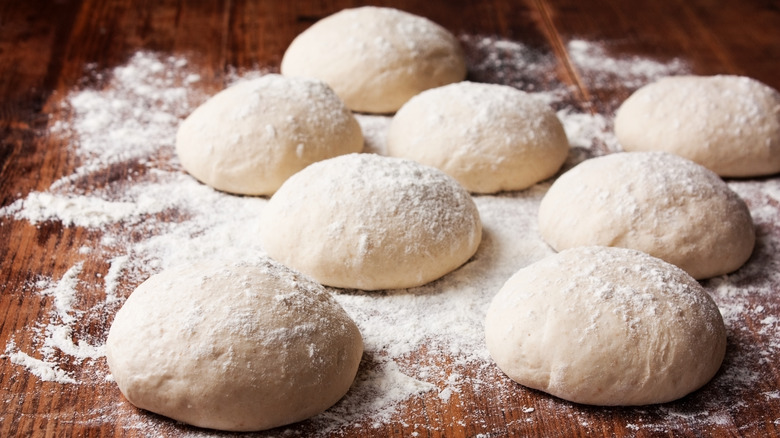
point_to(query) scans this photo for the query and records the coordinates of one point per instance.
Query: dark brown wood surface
(45, 46)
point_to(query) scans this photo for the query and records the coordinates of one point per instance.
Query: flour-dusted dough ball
(233, 346)
(729, 124)
(249, 138)
(376, 58)
(370, 222)
(655, 202)
(606, 326)
(488, 137)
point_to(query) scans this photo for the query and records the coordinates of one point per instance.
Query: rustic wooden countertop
(46, 47)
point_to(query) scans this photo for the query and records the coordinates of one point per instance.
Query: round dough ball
(606, 326)
(488, 137)
(233, 346)
(249, 138)
(376, 58)
(655, 202)
(729, 124)
(370, 222)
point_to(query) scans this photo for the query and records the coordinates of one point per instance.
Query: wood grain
(46, 46)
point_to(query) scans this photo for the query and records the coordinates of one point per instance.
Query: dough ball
(249, 138)
(606, 326)
(655, 202)
(376, 58)
(729, 124)
(233, 346)
(488, 137)
(370, 222)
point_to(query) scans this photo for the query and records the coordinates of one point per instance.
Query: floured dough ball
(233, 346)
(729, 124)
(249, 138)
(606, 326)
(488, 137)
(376, 58)
(655, 202)
(370, 222)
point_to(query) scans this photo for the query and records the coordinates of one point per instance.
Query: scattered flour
(60, 337)
(589, 131)
(85, 211)
(135, 114)
(512, 63)
(423, 345)
(113, 277)
(46, 371)
(602, 70)
(64, 293)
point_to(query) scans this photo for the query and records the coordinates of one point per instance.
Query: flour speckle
(44, 370)
(602, 70)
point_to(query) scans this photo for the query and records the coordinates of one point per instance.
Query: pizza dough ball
(249, 138)
(233, 346)
(370, 222)
(488, 137)
(655, 202)
(729, 124)
(376, 58)
(606, 326)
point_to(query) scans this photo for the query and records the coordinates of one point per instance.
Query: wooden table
(45, 47)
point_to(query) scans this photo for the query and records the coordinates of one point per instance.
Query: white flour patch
(374, 132)
(46, 371)
(81, 211)
(589, 131)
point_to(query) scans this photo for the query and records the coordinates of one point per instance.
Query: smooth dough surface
(655, 202)
(606, 326)
(488, 137)
(370, 222)
(376, 58)
(249, 138)
(729, 124)
(234, 346)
